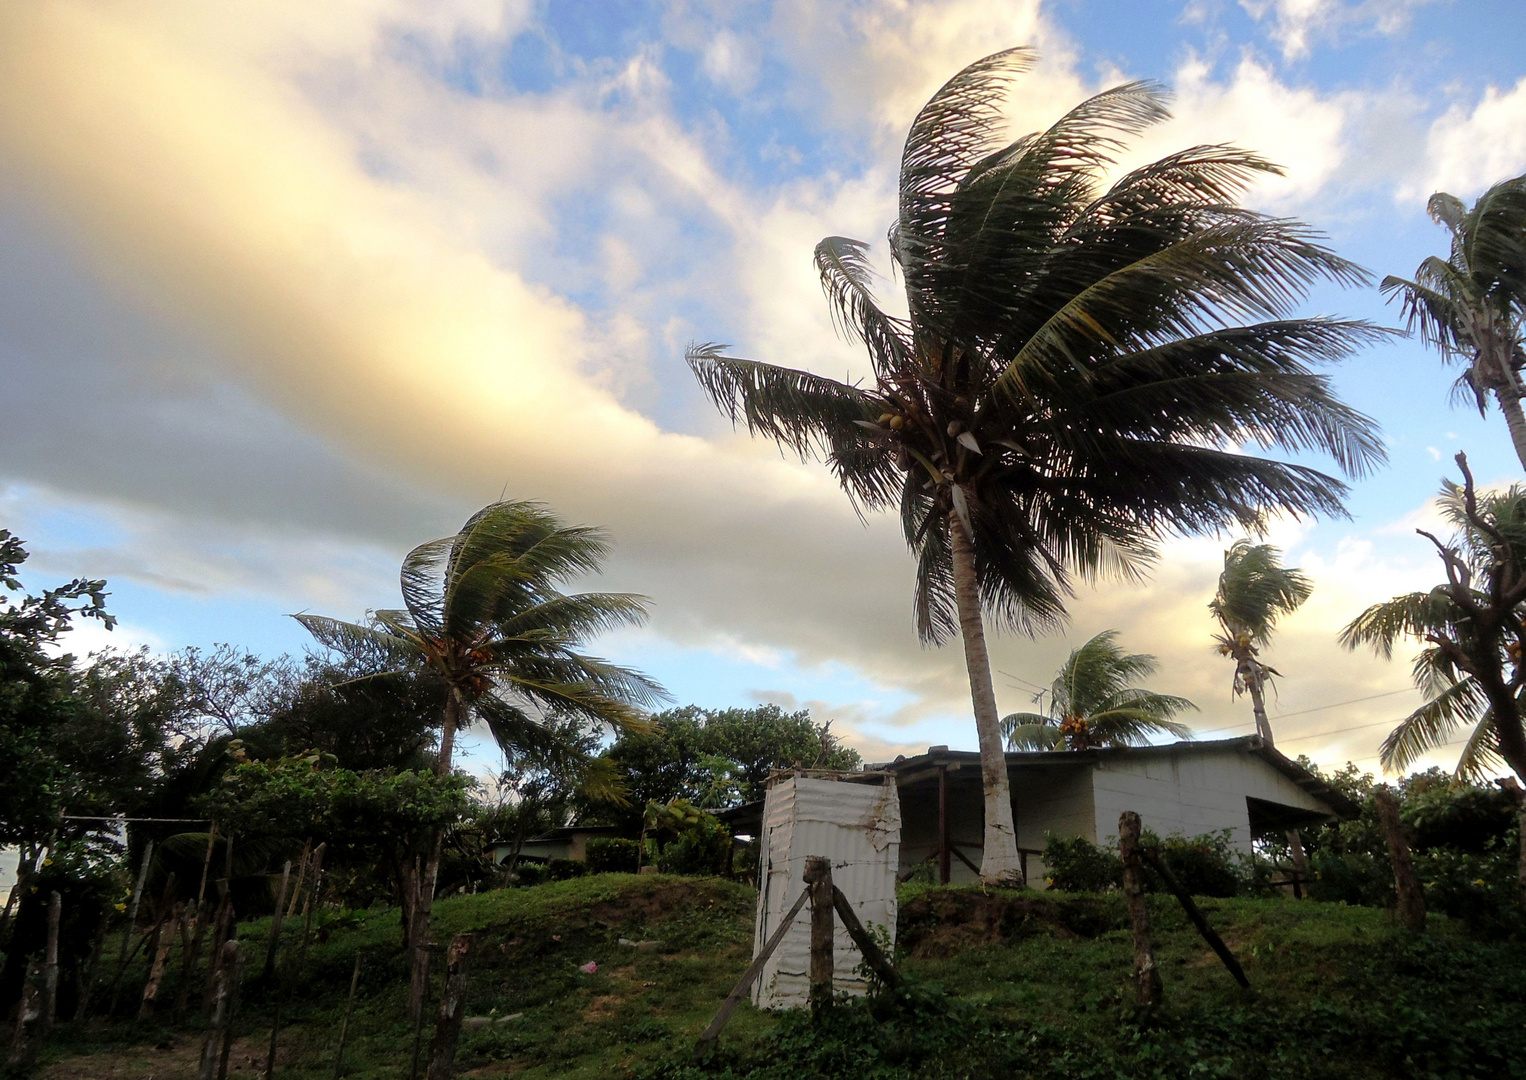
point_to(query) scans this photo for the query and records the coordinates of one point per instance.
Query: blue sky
(288, 288)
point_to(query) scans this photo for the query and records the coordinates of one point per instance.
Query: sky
(288, 288)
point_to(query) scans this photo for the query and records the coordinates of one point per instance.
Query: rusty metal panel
(858, 827)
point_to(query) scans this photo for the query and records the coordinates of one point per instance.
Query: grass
(1004, 985)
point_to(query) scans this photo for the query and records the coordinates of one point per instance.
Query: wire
(1315, 709)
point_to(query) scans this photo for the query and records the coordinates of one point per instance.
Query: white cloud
(1472, 147)
(1297, 25)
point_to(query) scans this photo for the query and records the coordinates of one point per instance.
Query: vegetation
(1093, 702)
(1074, 366)
(1002, 984)
(1471, 306)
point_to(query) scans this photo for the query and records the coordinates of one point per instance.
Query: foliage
(613, 855)
(1093, 702)
(1075, 864)
(564, 869)
(1206, 865)
(715, 758)
(691, 840)
(1472, 629)
(1255, 591)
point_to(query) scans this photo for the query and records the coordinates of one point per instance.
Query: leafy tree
(1255, 591)
(1470, 306)
(1093, 702)
(539, 791)
(1074, 368)
(485, 617)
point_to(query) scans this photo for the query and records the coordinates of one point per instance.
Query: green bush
(562, 869)
(1075, 864)
(697, 852)
(613, 855)
(530, 873)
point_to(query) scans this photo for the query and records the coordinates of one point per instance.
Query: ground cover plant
(1002, 984)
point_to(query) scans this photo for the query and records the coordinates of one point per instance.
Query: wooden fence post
(275, 925)
(222, 927)
(158, 962)
(224, 968)
(878, 962)
(28, 1017)
(349, 1009)
(1147, 984)
(818, 875)
(50, 966)
(1194, 913)
(447, 1030)
(1411, 907)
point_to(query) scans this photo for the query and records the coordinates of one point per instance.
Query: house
(566, 842)
(1189, 788)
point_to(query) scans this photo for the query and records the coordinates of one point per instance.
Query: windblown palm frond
(1094, 702)
(1256, 590)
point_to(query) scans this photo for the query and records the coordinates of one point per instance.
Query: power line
(1315, 709)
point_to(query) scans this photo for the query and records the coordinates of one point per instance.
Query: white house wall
(1190, 793)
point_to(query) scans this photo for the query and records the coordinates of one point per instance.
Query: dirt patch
(602, 1008)
(944, 921)
(177, 1059)
(648, 905)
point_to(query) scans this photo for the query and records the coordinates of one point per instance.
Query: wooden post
(221, 929)
(1300, 863)
(447, 1029)
(723, 1014)
(1411, 906)
(237, 983)
(275, 926)
(296, 892)
(878, 962)
(943, 846)
(349, 1009)
(159, 962)
(132, 922)
(28, 1013)
(50, 966)
(1194, 913)
(818, 875)
(310, 907)
(223, 968)
(1147, 984)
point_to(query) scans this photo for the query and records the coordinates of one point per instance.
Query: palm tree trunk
(1000, 864)
(1510, 405)
(1264, 729)
(418, 933)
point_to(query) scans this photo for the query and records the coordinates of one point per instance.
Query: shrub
(530, 873)
(562, 869)
(1075, 864)
(612, 855)
(697, 852)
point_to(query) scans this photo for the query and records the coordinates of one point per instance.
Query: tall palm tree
(1473, 629)
(1071, 373)
(484, 615)
(1255, 590)
(1094, 702)
(1471, 306)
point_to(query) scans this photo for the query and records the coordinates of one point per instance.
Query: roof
(567, 832)
(909, 770)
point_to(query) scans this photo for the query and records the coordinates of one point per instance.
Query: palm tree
(1471, 305)
(1094, 702)
(1255, 590)
(485, 616)
(1071, 371)
(1473, 628)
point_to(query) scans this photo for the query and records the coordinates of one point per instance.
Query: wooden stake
(723, 1014)
(447, 1029)
(222, 927)
(818, 875)
(275, 925)
(132, 922)
(237, 982)
(349, 1009)
(1147, 985)
(28, 1012)
(296, 892)
(1194, 913)
(160, 961)
(314, 892)
(50, 966)
(877, 960)
(1411, 906)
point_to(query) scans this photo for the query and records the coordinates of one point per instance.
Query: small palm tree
(1471, 306)
(1094, 702)
(1076, 362)
(1255, 590)
(485, 616)
(1472, 628)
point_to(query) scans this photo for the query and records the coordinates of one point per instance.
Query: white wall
(1190, 792)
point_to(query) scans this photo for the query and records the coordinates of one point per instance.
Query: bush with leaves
(1206, 865)
(613, 855)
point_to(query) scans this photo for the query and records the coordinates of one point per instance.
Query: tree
(1094, 702)
(1472, 629)
(1471, 305)
(1255, 590)
(1073, 372)
(485, 617)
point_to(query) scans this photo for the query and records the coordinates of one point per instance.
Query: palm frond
(1433, 724)
(847, 279)
(1256, 590)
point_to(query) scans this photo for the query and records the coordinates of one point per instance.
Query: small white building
(1186, 788)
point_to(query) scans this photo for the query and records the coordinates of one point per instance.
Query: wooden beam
(1215, 942)
(754, 969)
(873, 956)
(1147, 984)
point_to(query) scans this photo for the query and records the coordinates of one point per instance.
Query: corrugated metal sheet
(858, 827)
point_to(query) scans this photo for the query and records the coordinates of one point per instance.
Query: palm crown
(1074, 363)
(1470, 306)
(1255, 591)
(1470, 668)
(484, 612)
(1094, 702)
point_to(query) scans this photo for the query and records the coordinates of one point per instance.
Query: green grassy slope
(1003, 985)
